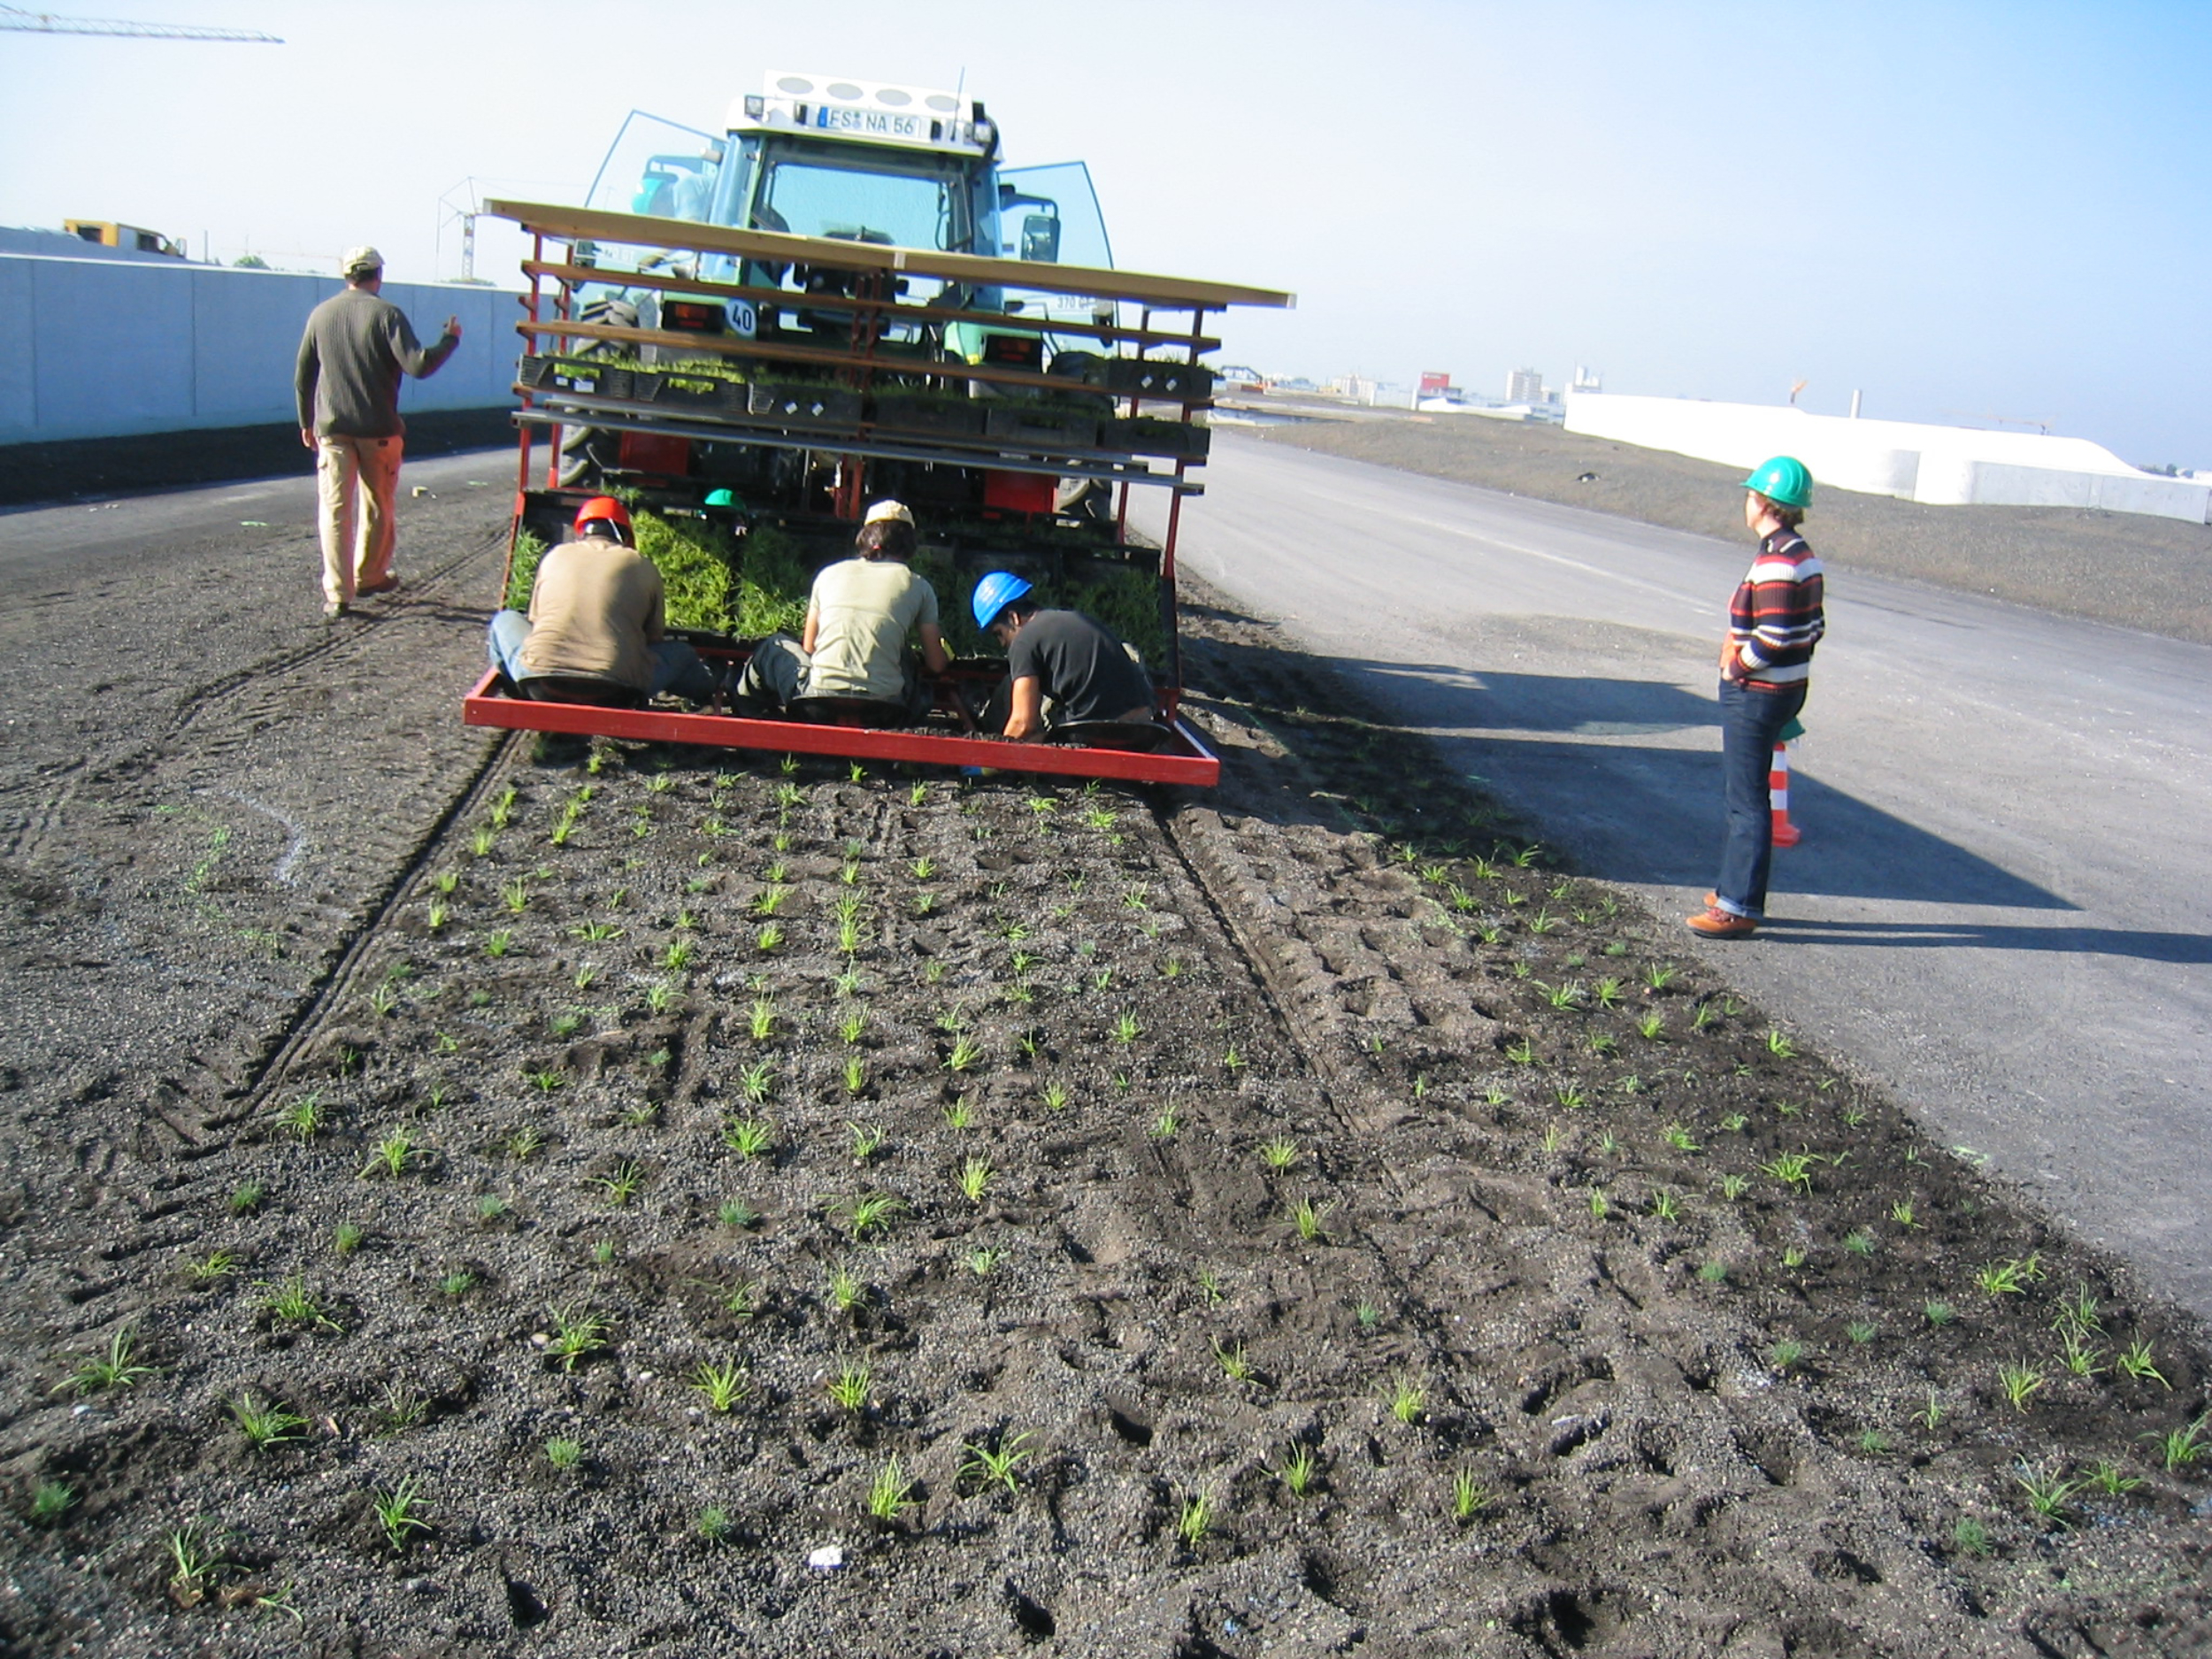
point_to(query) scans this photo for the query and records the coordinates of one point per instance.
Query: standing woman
(1774, 622)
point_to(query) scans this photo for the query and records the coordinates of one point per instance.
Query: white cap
(361, 261)
(886, 512)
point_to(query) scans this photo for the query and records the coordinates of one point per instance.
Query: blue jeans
(1750, 721)
(676, 666)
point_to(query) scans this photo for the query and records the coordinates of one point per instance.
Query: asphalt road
(2000, 905)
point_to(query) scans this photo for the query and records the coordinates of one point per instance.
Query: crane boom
(48, 23)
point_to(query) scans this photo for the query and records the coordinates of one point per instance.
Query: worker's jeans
(676, 666)
(1750, 721)
(359, 478)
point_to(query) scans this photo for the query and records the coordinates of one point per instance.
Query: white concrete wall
(101, 348)
(1945, 465)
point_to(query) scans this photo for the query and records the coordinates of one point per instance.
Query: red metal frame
(1185, 760)
(1188, 760)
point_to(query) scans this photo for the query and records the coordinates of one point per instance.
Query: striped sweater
(1775, 618)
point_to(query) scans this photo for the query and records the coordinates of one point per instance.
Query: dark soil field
(643, 1200)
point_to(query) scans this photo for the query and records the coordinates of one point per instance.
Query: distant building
(1586, 380)
(1524, 386)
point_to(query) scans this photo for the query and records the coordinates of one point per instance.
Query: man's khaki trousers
(359, 478)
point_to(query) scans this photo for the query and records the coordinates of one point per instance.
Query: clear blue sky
(1968, 211)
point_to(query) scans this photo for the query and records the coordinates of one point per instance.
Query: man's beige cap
(360, 261)
(884, 512)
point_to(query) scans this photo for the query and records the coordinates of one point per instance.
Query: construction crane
(46, 23)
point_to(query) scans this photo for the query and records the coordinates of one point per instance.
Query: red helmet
(605, 510)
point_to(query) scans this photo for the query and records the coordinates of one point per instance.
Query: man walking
(1774, 621)
(347, 385)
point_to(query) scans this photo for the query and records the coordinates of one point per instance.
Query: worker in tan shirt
(594, 630)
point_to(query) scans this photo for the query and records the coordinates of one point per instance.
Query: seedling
(1785, 1354)
(1408, 1401)
(118, 1367)
(346, 1238)
(741, 1299)
(293, 1303)
(2182, 1446)
(212, 1268)
(52, 1499)
(576, 1333)
(2079, 1358)
(266, 1424)
(1779, 1046)
(457, 1284)
(1713, 1273)
(1734, 1123)
(564, 1454)
(1469, 1496)
(1195, 1520)
(965, 1053)
(197, 1558)
(1232, 1061)
(388, 1158)
(400, 1513)
(2002, 1278)
(975, 1176)
(1165, 1126)
(1859, 1241)
(622, 1185)
(1299, 1467)
(2049, 1491)
(850, 1388)
(1598, 1206)
(722, 1385)
(1309, 1219)
(246, 1197)
(749, 1137)
(1125, 1029)
(855, 1076)
(714, 1525)
(1793, 1257)
(1733, 1187)
(763, 1019)
(770, 937)
(523, 1143)
(499, 943)
(864, 1213)
(983, 1259)
(1233, 1361)
(1208, 1284)
(867, 1141)
(959, 1114)
(1521, 1052)
(854, 1027)
(2137, 1362)
(755, 1081)
(2021, 1382)
(1792, 1169)
(892, 1491)
(1054, 1095)
(1970, 1537)
(1930, 1416)
(1665, 1205)
(1280, 1154)
(1680, 1138)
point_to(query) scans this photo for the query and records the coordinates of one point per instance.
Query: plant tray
(579, 375)
(929, 414)
(1055, 428)
(804, 406)
(1161, 378)
(1144, 435)
(702, 392)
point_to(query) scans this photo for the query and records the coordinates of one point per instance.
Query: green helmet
(1782, 480)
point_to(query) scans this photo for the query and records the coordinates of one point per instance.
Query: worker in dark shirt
(1063, 655)
(355, 347)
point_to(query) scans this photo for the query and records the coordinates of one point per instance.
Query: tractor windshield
(899, 198)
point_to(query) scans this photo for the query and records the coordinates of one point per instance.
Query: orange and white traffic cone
(1785, 833)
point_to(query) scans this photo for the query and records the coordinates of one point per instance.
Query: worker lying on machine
(594, 630)
(858, 617)
(1062, 668)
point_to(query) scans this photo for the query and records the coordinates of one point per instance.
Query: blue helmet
(993, 594)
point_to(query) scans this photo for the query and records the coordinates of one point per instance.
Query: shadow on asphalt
(2088, 941)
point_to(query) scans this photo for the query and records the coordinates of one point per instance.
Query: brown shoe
(1715, 923)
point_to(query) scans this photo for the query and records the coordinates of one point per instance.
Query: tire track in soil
(117, 1090)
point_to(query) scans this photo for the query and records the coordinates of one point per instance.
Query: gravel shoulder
(2134, 572)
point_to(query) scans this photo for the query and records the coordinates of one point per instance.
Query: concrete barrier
(94, 347)
(1940, 466)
